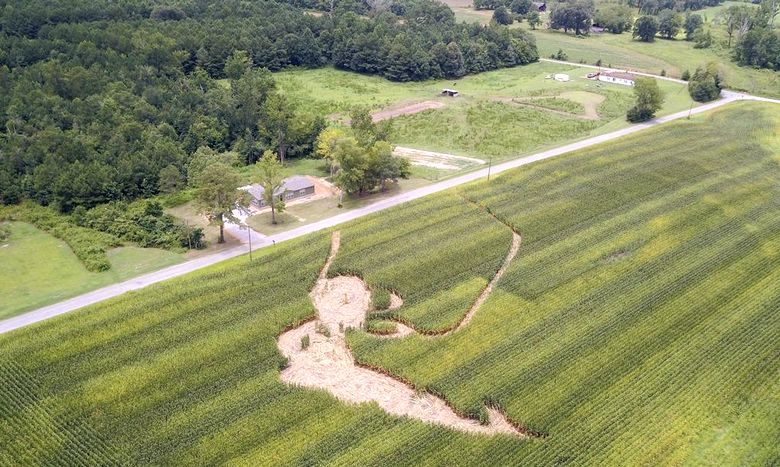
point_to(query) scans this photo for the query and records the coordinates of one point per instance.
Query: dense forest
(104, 101)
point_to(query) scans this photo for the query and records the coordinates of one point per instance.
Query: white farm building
(617, 77)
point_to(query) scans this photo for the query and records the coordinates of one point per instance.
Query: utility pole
(249, 231)
(490, 163)
(187, 227)
(690, 110)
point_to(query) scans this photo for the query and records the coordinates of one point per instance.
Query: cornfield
(638, 324)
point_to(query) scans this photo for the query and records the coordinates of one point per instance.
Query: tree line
(749, 31)
(104, 101)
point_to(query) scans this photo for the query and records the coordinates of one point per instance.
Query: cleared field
(637, 324)
(482, 122)
(621, 51)
(672, 56)
(37, 269)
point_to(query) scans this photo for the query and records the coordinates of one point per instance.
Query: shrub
(702, 38)
(638, 114)
(705, 84)
(323, 329)
(305, 341)
(142, 222)
(560, 55)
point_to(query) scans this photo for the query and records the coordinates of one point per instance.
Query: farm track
(187, 267)
(319, 358)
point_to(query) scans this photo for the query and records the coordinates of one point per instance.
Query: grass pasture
(480, 123)
(621, 51)
(36, 269)
(672, 56)
(637, 325)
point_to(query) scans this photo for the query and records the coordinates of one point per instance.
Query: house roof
(294, 183)
(620, 74)
(255, 190)
(297, 182)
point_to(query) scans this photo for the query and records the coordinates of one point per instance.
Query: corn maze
(638, 324)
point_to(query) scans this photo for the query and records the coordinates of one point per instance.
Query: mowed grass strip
(37, 269)
(637, 324)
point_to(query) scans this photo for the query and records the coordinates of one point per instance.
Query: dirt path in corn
(402, 330)
(319, 358)
(486, 293)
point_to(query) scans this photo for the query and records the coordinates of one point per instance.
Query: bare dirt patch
(436, 160)
(405, 109)
(458, 3)
(327, 362)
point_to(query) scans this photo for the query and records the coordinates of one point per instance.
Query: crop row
(638, 325)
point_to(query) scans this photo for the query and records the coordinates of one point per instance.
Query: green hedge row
(89, 245)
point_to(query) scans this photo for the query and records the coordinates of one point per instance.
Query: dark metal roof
(294, 183)
(297, 182)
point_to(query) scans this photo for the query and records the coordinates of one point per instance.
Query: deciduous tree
(217, 194)
(705, 83)
(237, 64)
(327, 142)
(520, 7)
(278, 118)
(272, 181)
(649, 99)
(645, 28)
(669, 23)
(170, 179)
(533, 19)
(501, 16)
(693, 22)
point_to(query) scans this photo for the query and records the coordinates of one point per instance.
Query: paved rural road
(264, 242)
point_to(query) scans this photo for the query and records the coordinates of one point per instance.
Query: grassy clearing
(559, 103)
(672, 56)
(636, 325)
(37, 269)
(328, 91)
(487, 129)
(478, 123)
(621, 51)
(187, 213)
